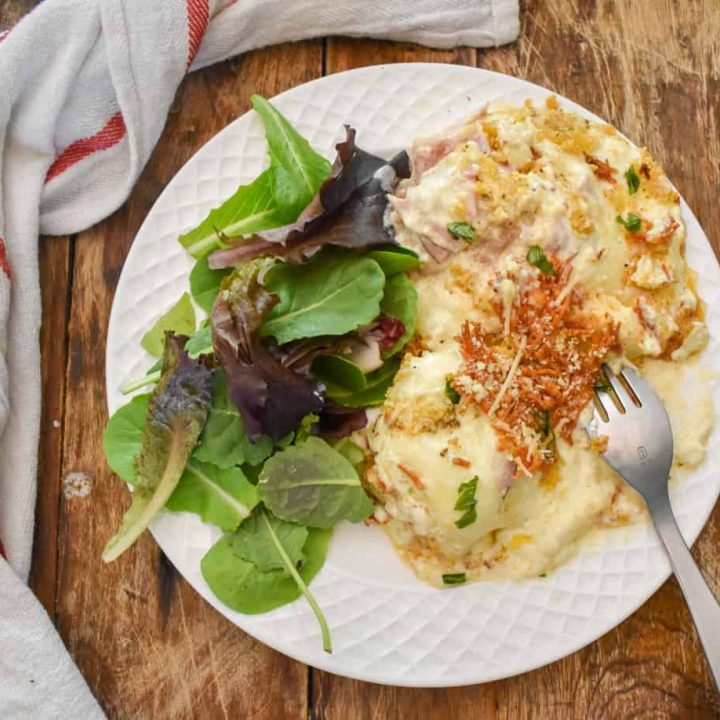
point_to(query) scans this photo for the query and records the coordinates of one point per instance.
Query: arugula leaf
(220, 497)
(331, 295)
(298, 171)
(180, 319)
(339, 371)
(250, 209)
(454, 578)
(462, 231)
(466, 502)
(200, 343)
(631, 222)
(377, 384)
(240, 585)
(177, 411)
(535, 256)
(400, 302)
(254, 543)
(313, 484)
(394, 260)
(122, 441)
(205, 283)
(633, 180)
(224, 442)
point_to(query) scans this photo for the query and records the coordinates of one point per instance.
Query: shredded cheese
(510, 376)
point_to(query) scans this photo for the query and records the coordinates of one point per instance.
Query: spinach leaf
(377, 384)
(205, 283)
(297, 170)
(250, 209)
(180, 319)
(177, 411)
(394, 260)
(331, 295)
(339, 371)
(313, 484)
(240, 585)
(254, 543)
(220, 497)
(400, 302)
(224, 442)
(122, 441)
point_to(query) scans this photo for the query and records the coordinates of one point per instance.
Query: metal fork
(640, 449)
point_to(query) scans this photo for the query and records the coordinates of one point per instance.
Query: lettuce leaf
(223, 441)
(312, 484)
(272, 398)
(180, 319)
(276, 197)
(176, 414)
(330, 295)
(222, 497)
(348, 210)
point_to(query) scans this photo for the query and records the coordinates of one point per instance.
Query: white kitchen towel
(85, 88)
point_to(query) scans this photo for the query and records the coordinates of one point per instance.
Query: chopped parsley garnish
(601, 387)
(545, 427)
(632, 222)
(450, 392)
(466, 502)
(462, 231)
(537, 257)
(633, 180)
(454, 578)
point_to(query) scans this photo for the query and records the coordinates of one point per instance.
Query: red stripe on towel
(110, 135)
(198, 15)
(5, 267)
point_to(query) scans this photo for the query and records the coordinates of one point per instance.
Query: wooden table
(148, 645)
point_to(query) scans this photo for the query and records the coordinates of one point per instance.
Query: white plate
(388, 627)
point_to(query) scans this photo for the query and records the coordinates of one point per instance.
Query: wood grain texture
(55, 261)
(147, 644)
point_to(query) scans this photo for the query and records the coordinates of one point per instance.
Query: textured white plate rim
(268, 633)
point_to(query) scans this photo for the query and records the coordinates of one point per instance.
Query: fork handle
(703, 605)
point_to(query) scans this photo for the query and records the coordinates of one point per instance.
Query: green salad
(298, 308)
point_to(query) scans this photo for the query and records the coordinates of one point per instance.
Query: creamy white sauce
(520, 186)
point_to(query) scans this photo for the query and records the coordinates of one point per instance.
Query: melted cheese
(521, 177)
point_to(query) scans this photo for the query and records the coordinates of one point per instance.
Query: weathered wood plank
(635, 64)
(185, 661)
(55, 256)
